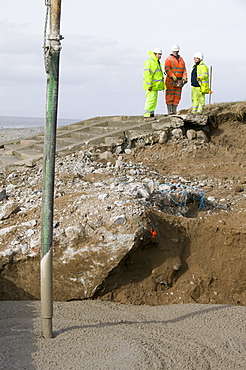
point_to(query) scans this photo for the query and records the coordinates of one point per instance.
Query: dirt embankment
(198, 259)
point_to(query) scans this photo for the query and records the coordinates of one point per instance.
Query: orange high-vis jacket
(174, 67)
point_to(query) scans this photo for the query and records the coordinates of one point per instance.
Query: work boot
(174, 109)
(149, 119)
(169, 109)
(152, 115)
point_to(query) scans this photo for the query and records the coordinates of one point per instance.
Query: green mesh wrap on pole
(49, 170)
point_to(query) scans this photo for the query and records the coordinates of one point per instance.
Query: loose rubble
(110, 210)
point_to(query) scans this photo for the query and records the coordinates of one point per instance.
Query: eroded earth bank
(156, 220)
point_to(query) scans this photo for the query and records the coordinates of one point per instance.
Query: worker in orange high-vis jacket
(176, 78)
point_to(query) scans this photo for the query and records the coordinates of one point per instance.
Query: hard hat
(175, 47)
(199, 55)
(157, 51)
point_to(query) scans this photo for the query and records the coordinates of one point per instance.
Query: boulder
(191, 134)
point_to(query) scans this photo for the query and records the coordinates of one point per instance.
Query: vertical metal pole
(46, 265)
(210, 84)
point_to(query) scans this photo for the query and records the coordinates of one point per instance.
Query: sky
(105, 45)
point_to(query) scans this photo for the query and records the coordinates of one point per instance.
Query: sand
(104, 335)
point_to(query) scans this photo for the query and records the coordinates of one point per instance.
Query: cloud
(105, 46)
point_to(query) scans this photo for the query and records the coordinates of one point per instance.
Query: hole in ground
(151, 268)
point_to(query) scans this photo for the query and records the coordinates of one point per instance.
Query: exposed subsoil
(198, 259)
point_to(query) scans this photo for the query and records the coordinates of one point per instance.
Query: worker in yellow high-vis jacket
(199, 83)
(153, 82)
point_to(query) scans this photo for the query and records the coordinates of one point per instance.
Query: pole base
(47, 328)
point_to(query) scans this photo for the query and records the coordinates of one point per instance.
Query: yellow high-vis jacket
(203, 75)
(153, 75)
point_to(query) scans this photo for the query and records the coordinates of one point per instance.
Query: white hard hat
(157, 51)
(199, 55)
(175, 47)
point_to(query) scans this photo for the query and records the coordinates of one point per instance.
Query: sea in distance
(25, 122)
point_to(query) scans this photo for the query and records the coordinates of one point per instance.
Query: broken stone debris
(97, 215)
(98, 211)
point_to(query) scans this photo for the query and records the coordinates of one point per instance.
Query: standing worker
(199, 83)
(176, 77)
(153, 82)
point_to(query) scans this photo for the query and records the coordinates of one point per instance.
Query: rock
(196, 292)
(75, 232)
(163, 137)
(142, 192)
(12, 175)
(140, 143)
(9, 188)
(120, 220)
(8, 210)
(177, 266)
(191, 134)
(202, 136)
(4, 231)
(177, 133)
(150, 186)
(30, 162)
(3, 194)
(106, 155)
(197, 119)
(119, 163)
(164, 187)
(103, 196)
(238, 188)
(80, 154)
(118, 149)
(176, 122)
(128, 151)
(30, 232)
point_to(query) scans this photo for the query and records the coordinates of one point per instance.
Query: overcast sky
(105, 45)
